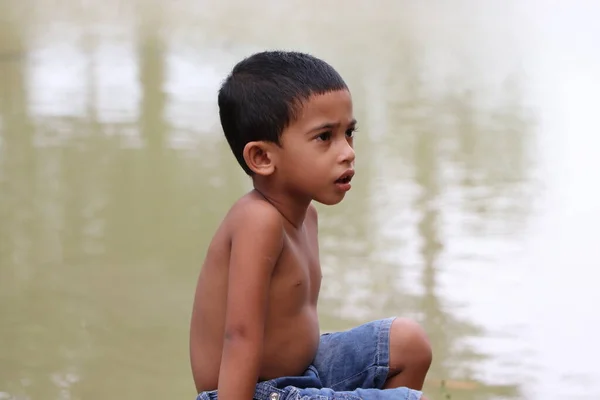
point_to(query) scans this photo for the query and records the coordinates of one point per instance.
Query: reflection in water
(114, 174)
(432, 162)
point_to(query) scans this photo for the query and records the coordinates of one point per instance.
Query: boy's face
(316, 156)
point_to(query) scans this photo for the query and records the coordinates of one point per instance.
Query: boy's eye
(324, 136)
(350, 132)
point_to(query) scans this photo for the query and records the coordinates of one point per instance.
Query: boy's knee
(409, 346)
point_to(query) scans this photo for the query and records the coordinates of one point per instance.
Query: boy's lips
(346, 177)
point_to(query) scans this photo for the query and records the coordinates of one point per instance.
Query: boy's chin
(330, 200)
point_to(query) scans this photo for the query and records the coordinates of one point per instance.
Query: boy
(255, 334)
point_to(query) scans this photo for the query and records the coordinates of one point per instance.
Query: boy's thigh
(359, 394)
(355, 358)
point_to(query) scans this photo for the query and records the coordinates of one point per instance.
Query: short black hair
(264, 92)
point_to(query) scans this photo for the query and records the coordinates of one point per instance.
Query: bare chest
(298, 274)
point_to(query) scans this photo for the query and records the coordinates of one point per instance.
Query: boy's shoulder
(255, 237)
(252, 214)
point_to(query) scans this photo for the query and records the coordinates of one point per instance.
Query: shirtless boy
(255, 333)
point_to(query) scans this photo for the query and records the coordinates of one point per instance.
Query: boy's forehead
(333, 106)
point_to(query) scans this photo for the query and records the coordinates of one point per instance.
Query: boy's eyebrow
(330, 125)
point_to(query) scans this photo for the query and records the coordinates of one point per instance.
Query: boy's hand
(257, 242)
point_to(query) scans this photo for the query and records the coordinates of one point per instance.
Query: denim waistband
(268, 391)
(283, 388)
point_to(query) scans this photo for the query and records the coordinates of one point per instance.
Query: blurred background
(473, 209)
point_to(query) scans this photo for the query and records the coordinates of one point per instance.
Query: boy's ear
(259, 157)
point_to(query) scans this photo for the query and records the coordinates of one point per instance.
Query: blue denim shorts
(349, 365)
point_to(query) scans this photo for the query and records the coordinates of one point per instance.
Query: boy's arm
(255, 248)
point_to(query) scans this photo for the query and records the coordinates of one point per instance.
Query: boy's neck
(290, 207)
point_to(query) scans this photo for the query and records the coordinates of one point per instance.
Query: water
(474, 208)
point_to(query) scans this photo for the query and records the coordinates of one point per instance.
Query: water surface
(474, 209)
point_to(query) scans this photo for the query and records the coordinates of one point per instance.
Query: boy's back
(288, 309)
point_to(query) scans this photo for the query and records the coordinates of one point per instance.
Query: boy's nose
(347, 155)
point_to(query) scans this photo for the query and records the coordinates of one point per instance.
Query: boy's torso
(292, 328)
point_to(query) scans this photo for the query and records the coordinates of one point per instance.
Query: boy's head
(271, 93)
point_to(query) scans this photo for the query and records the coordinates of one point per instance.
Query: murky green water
(475, 208)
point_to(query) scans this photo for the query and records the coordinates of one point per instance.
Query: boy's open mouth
(346, 177)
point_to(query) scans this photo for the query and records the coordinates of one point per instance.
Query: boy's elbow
(241, 333)
(240, 342)
(235, 332)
